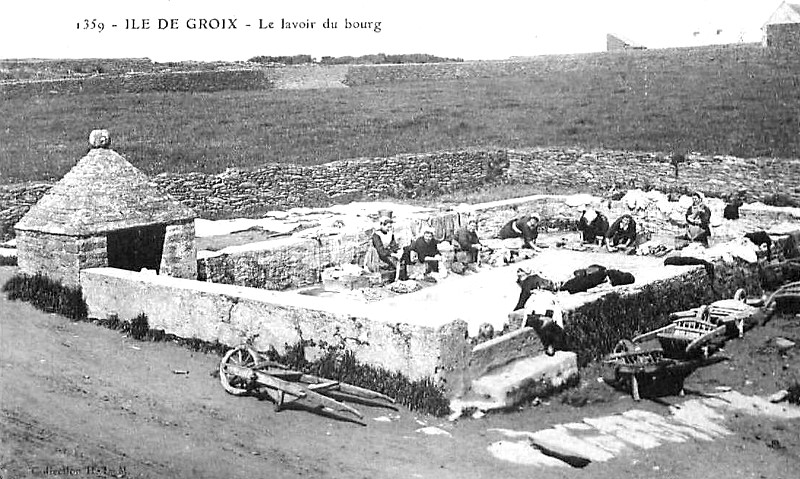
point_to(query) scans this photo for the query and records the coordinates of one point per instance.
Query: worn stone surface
(179, 255)
(54, 255)
(525, 378)
(498, 352)
(283, 263)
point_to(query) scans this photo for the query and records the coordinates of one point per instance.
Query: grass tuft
(47, 294)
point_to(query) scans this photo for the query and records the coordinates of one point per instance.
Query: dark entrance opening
(136, 248)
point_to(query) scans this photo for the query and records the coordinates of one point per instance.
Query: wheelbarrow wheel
(624, 346)
(740, 295)
(238, 356)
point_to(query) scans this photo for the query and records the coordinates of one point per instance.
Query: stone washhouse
(106, 213)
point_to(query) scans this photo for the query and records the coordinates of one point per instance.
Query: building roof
(102, 193)
(613, 37)
(785, 13)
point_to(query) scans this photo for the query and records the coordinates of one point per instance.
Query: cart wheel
(624, 346)
(741, 295)
(238, 356)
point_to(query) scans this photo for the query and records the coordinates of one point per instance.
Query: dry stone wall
(558, 170)
(192, 81)
(359, 75)
(336, 182)
(553, 170)
(275, 77)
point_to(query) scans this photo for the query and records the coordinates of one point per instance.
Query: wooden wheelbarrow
(731, 313)
(635, 366)
(788, 293)
(685, 338)
(242, 371)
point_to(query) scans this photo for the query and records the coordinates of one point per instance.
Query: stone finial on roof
(99, 139)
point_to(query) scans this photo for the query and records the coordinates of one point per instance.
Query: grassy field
(741, 100)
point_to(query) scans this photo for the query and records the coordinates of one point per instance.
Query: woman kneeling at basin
(622, 235)
(525, 227)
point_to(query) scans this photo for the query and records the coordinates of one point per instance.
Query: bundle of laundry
(585, 279)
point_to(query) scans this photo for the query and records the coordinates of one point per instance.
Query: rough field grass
(739, 100)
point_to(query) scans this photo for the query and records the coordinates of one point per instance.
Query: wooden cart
(789, 292)
(242, 371)
(731, 313)
(665, 356)
(685, 338)
(636, 367)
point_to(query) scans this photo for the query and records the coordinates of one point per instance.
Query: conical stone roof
(102, 193)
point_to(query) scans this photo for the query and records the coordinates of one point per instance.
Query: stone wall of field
(281, 185)
(242, 192)
(186, 81)
(554, 170)
(256, 77)
(15, 200)
(358, 75)
(558, 170)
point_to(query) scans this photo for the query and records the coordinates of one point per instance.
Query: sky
(171, 30)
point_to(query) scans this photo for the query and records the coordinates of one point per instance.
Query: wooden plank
(320, 387)
(348, 388)
(317, 399)
(266, 380)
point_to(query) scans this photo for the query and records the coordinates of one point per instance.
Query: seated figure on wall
(383, 252)
(466, 241)
(426, 250)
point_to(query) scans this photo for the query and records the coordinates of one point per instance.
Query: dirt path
(80, 400)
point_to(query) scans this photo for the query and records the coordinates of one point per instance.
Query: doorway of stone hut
(136, 248)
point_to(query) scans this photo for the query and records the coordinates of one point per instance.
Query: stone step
(520, 380)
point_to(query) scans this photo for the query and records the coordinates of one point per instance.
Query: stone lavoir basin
(427, 333)
(490, 294)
